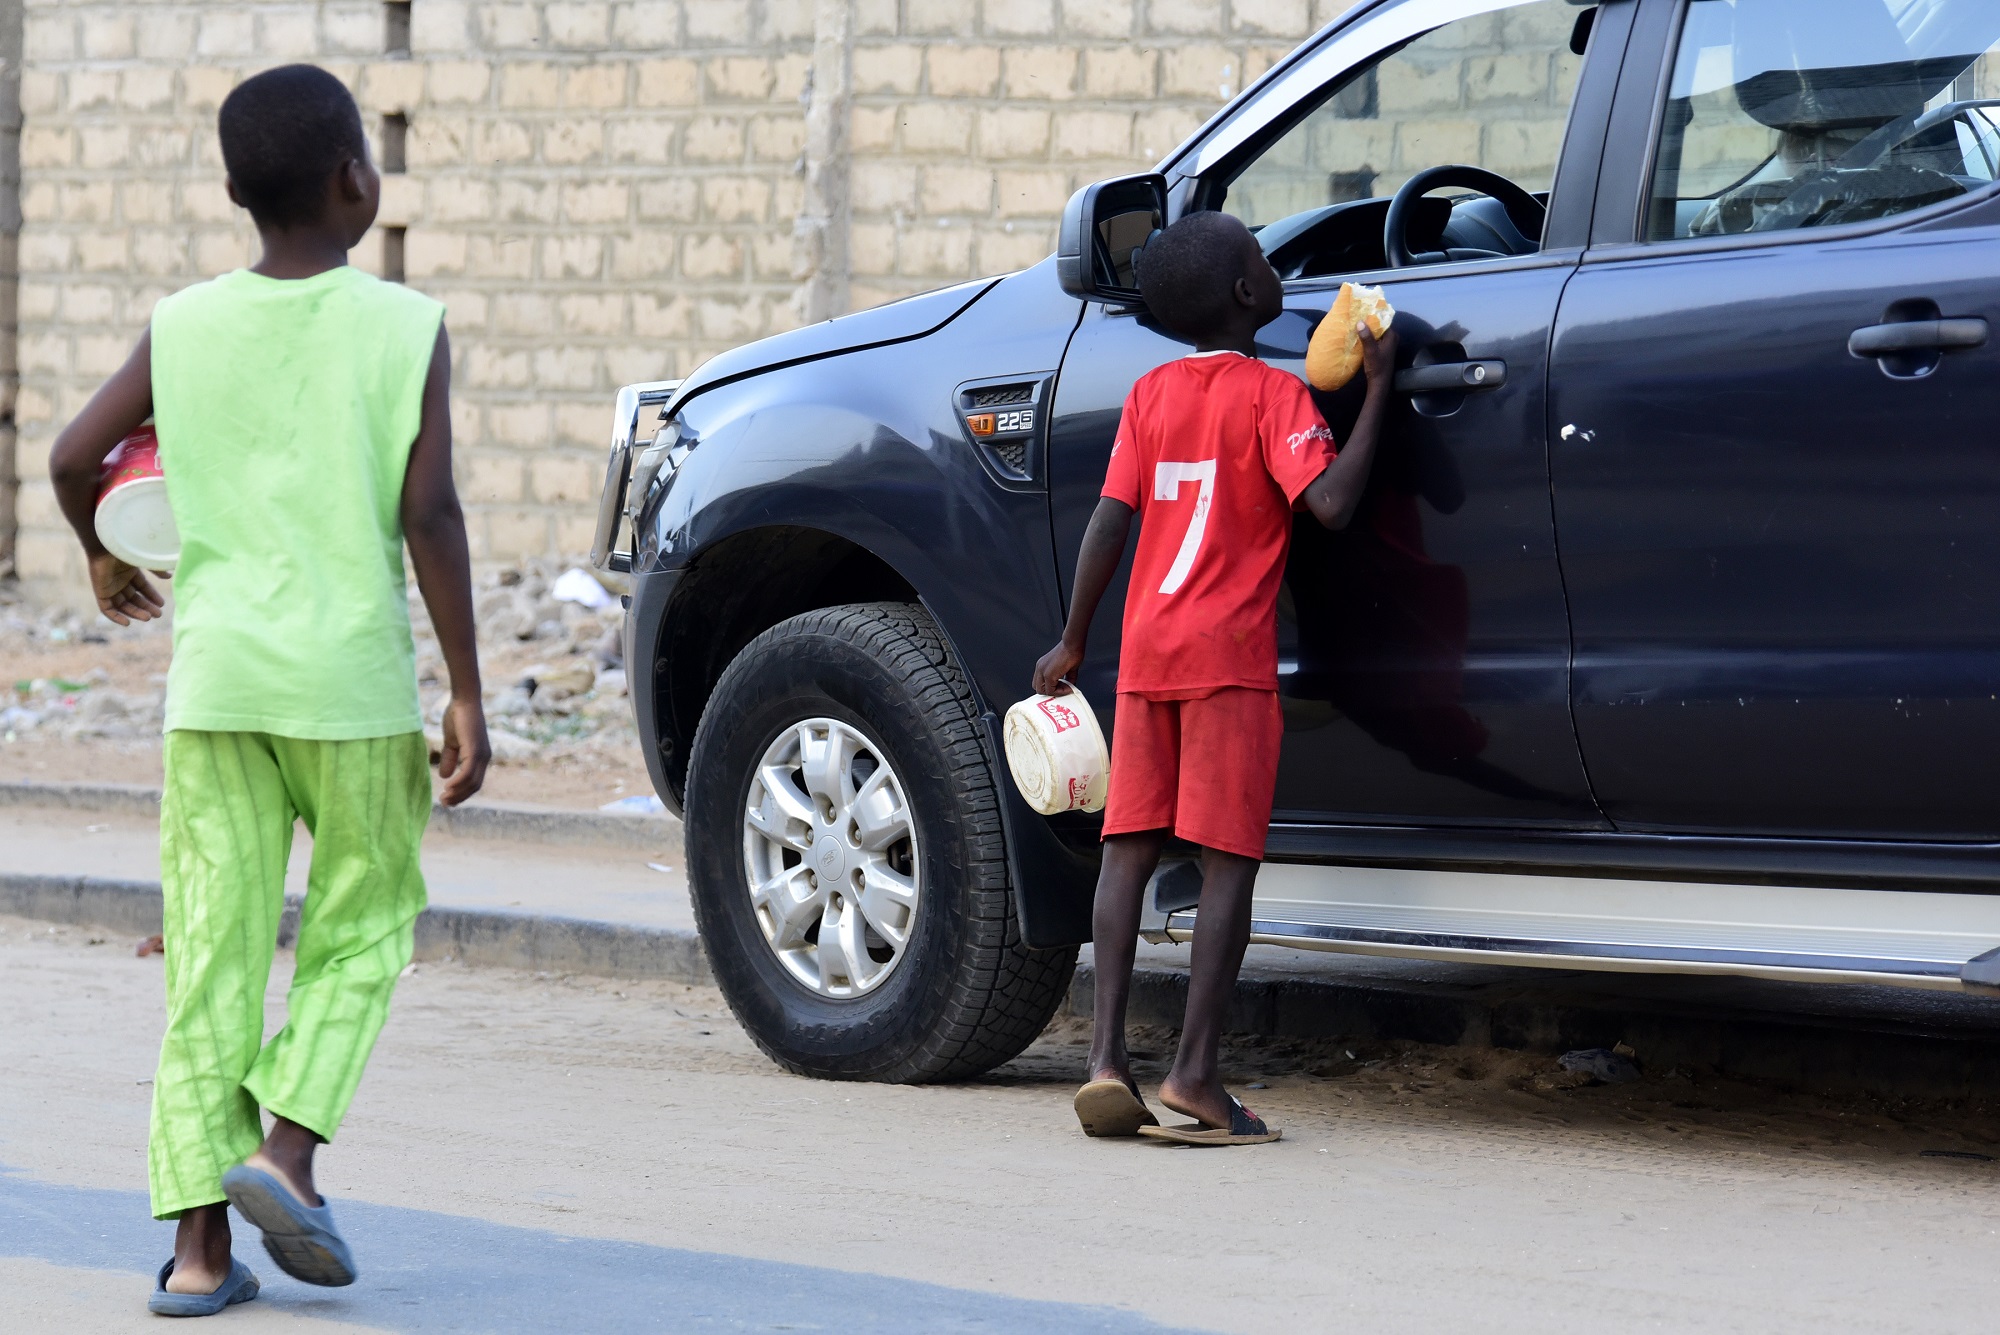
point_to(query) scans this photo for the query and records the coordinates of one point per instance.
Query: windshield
(1490, 89)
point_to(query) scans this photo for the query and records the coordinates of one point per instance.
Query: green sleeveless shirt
(285, 410)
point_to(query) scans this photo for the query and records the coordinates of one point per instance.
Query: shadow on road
(422, 1271)
(1314, 1085)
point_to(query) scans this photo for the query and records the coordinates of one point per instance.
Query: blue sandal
(301, 1238)
(1245, 1128)
(240, 1287)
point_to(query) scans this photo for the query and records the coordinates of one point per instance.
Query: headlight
(654, 465)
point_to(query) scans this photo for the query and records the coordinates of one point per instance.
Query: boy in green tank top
(303, 415)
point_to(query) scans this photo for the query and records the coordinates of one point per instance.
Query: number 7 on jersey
(1167, 479)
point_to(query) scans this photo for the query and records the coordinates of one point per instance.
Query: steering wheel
(1523, 210)
(1900, 131)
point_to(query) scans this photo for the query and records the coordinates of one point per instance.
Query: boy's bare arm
(434, 527)
(1103, 546)
(119, 406)
(1333, 495)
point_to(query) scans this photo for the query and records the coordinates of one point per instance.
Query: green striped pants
(225, 835)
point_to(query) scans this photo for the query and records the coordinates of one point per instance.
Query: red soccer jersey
(1212, 451)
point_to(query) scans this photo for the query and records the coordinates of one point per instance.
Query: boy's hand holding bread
(1336, 351)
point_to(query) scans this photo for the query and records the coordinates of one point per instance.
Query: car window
(1490, 91)
(1785, 114)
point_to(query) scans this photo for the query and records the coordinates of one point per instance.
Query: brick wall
(973, 122)
(600, 191)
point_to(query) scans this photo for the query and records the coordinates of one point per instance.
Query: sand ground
(132, 663)
(1416, 1188)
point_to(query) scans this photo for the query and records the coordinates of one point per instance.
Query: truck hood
(897, 322)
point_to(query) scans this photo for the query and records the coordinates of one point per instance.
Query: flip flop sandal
(1245, 1128)
(301, 1238)
(240, 1287)
(1109, 1108)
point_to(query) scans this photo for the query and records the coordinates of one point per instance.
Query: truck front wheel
(846, 858)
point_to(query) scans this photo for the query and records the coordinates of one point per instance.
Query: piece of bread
(1334, 355)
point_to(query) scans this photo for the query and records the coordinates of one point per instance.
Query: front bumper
(646, 678)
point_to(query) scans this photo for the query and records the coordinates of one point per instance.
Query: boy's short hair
(284, 132)
(1187, 273)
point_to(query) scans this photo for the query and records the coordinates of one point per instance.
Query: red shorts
(1205, 769)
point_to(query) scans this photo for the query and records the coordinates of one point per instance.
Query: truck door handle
(1449, 377)
(1886, 340)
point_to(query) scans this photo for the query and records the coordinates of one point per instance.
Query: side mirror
(1102, 226)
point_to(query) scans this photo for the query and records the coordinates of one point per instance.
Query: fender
(864, 451)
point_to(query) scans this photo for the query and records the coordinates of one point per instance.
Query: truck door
(1777, 487)
(1424, 650)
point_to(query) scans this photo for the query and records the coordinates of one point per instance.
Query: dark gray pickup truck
(1667, 638)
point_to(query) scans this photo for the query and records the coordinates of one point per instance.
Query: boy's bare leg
(1222, 930)
(1129, 860)
(201, 1250)
(287, 1154)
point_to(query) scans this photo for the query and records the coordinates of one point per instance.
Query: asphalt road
(533, 1153)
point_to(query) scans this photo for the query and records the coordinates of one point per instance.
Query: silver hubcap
(831, 850)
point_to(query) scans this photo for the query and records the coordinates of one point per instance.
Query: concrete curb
(470, 936)
(551, 825)
(84, 901)
(116, 799)
(1833, 1053)
(484, 820)
(562, 945)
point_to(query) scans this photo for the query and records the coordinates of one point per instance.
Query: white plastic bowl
(1057, 755)
(134, 521)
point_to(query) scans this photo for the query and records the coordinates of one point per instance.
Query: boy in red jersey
(1214, 451)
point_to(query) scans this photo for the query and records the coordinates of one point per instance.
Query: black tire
(967, 994)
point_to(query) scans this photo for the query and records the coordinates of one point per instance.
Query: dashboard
(1347, 237)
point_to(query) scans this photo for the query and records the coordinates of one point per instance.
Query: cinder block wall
(600, 192)
(973, 122)
(10, 231)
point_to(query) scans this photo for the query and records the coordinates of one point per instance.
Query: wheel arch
(850, 479)
(730, 593)
(688, 624)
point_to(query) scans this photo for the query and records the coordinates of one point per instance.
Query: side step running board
(1982, 972)
(1922, 939)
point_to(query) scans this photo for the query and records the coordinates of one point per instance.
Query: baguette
(1334, 355)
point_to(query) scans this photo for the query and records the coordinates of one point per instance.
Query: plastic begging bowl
(134, 521)
(1057, 754)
